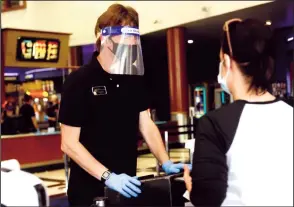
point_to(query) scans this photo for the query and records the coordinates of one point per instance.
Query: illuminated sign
(37, 49)
(11, 78)
(37, 93)
(29, 76)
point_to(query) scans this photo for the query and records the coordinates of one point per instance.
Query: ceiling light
(10, 74)
(190, 41)
(290, 39)
(40, 70)
(268, 22)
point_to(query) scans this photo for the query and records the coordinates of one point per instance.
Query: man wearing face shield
(102, 107)
(121, 51)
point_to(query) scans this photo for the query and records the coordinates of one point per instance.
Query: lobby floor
(146, 165)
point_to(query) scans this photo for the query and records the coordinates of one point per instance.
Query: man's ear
(227, 61)
(98, 35)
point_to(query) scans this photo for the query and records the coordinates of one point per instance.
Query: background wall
(283, 52)
(79, 17)
(202, 65)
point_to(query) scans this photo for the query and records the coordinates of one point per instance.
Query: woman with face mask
(244, 151)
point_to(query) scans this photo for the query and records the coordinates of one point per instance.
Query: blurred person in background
(103, 107)
(2, 114)
(244, 151)
(55, 102)
(50, 115)
(29, 122)
(11, 102)
(9, 123)
(52, 111)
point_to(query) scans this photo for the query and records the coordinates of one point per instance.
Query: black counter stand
(157, 191)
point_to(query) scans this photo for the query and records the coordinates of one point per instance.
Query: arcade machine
(221, 98)
(199, 108)
(200, 101)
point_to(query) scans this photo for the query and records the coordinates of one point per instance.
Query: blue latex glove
(170, 168)
(46, 118)
(124, 184)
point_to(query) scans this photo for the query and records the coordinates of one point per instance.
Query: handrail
(66, 169)
(166, 143)
(176, 127)
(179, 133)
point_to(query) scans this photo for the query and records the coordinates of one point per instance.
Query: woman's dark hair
(251, 49)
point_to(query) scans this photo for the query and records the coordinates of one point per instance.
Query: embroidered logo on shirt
(99, 90)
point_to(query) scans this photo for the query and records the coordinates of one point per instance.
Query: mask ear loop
(227, 74)
(113, 43)
(98, 42)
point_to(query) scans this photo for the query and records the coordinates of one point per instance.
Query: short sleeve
(72, 103)
(144, 97)
(209, 173)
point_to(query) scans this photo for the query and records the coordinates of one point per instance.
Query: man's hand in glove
(170, 168)
(124, 184)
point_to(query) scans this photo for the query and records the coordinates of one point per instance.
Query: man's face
(126, 40)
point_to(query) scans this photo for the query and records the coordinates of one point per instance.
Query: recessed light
(290, 39)
(268, 22)
(190, 41)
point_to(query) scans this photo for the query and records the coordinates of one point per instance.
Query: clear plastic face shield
(121, 50)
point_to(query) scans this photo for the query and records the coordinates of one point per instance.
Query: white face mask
(223, 81)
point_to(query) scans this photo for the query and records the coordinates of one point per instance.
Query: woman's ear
(227, 61)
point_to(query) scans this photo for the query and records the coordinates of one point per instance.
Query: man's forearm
(51, 118)
(83, 158)
(154, 140)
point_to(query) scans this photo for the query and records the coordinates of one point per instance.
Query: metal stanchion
(192, 114)
(153, 117)
(166, 141)
(167, 150)
(66, 169)
(157, 168)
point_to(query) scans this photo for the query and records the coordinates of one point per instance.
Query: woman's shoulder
(222, 123)
(227, 113)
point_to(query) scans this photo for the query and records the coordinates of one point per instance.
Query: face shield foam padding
(122, 46)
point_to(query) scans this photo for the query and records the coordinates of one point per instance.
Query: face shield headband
(121, 49)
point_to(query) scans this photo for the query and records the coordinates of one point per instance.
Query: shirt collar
(95, 65)
(94, 60)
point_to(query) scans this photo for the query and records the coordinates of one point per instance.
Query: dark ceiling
(203, 54)
(279, 12)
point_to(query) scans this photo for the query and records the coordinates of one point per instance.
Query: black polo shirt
(244, 156)
(107, 109)
(27, 112)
